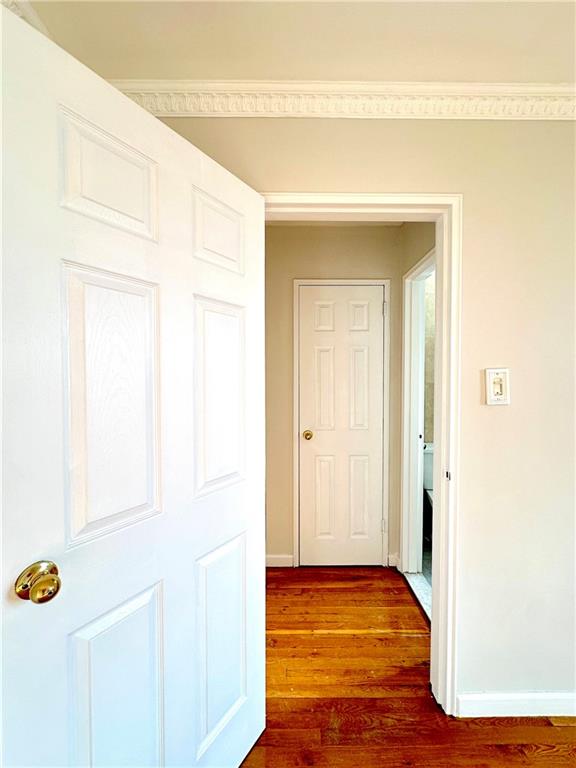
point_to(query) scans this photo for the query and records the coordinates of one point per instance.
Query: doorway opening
(445, 212)
(418, 354)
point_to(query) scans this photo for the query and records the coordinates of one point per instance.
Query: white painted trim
(447, 395)
(296, 425)
(386, 427)
(422, 591)
(394, 560)
(356, 206)
(279, 561)
(411, 500)
(446, 211)
(385, 283)
(353, 99)
(523, 704)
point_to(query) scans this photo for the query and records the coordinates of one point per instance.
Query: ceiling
(431, 41)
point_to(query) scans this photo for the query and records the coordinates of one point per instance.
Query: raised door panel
(106, 179)
(359, 315)
(219, 233)
(221, 639)
(111, 327)
(117, 685)
(220, 394)
(324, 388)
(359, 387)
(324, 316)
(359, 467)
(324, 497)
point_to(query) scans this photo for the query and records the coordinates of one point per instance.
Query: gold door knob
(39, 582)
(307, 434)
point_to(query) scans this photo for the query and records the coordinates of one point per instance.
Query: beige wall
(396, 41)
(516, 535)
(334, 252)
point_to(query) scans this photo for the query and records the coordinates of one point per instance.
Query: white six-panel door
(341, 396)
(134, 430)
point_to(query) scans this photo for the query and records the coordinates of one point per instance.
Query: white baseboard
(524, 704)
(279, 561)
(287, 561)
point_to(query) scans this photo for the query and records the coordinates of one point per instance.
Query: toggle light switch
(497, 386)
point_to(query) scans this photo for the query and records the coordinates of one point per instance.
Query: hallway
(347, 684)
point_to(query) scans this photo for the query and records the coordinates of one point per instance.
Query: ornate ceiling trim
(358, 100)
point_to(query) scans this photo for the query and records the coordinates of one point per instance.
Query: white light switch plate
(497, 386)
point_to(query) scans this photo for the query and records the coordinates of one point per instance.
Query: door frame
(412, 461)
(446, 211)
(385, 283)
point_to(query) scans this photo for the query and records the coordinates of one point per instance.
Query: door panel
(112, 350)
(324, 501)
(341, 401)
(359, 387)
(219, 233)
(126, 644)
(133, 361)
(220, 396)
(359, 473)
(324, 387)
(107, 179)
(221, 637)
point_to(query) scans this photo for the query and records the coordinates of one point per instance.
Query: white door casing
(133, 429)
(446, 211)
(341, 401)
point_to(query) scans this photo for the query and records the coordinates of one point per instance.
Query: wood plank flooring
(347, 676)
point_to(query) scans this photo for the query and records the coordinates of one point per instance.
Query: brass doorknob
(39, 582)
(307, 434)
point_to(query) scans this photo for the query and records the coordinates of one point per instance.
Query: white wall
(516, 533)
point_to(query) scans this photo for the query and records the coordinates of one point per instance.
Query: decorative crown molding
(364, 100)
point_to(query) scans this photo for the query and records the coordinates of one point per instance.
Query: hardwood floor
(347, 675)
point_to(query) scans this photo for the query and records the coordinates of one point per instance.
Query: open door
(133, 431)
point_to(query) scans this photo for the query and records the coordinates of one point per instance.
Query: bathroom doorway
(418, 427)
(428, 448)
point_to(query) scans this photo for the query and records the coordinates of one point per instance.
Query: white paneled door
(133, 431)
(341, 396)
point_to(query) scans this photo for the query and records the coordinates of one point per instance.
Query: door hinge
(383, 525)
(385, 308)
(448, 475)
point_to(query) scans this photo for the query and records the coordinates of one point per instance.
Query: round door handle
(307, 434)
(39, 582)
